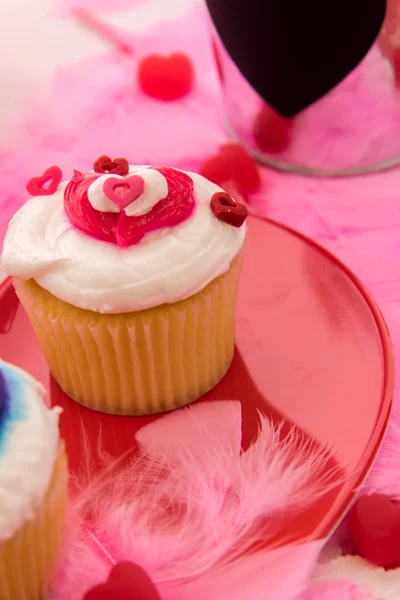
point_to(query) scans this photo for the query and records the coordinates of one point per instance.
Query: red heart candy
(375, 529)
(118, 166)
(272, 132)
(233, 163)
(123, 191)
(122, 229)
(35, 186)
(226, 209)
(127, 581)
(166, 78)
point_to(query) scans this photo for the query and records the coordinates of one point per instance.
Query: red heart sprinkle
(166, 78)
(118, 166)
(123, 191)
(272, 132)
(36, 185)
(127, 581)
(233, 163)
(226, 209)
(375, 529)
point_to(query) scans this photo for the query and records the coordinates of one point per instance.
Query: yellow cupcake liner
(28, 559)
(140, 362)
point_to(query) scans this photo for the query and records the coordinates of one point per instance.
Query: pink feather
(198, 513)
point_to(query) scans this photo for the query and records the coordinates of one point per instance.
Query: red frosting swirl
(120, 228)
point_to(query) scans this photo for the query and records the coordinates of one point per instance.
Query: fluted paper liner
(29, 558)
(140, 362)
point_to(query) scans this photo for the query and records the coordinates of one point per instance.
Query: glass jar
(354, 129)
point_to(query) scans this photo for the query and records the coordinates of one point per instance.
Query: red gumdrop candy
(272, 132)
(127, 581)
(166, 78)
(233, 164)
(375, 528)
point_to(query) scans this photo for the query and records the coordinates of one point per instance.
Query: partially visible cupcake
(33, 486)
(129, 276)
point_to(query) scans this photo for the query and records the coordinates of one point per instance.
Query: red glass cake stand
(312, 351)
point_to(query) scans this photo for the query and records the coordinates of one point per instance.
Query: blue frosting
(13, 386)
(4, 398)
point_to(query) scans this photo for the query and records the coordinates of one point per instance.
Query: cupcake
(33, 485)
(129, 276)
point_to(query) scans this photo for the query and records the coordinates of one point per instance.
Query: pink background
(93, 106)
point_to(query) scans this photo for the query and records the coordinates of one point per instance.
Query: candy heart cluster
(117, 226)
(121, 205)
(118, 166)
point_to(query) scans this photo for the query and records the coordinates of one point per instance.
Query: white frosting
(381, 584)
(166, 266)
(29, 437)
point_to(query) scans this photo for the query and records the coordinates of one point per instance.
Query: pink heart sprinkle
(123, 191)
(47, 184)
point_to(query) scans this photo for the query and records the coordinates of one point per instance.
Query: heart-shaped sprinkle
(375, 529)
(166, 78)
(226, 209)
(118, 166)
(127, 581)
(37, 186)
(123, 191)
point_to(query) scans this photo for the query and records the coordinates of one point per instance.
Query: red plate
(312, 350)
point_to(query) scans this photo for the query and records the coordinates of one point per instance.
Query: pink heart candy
(36, 185)
(123, 191)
